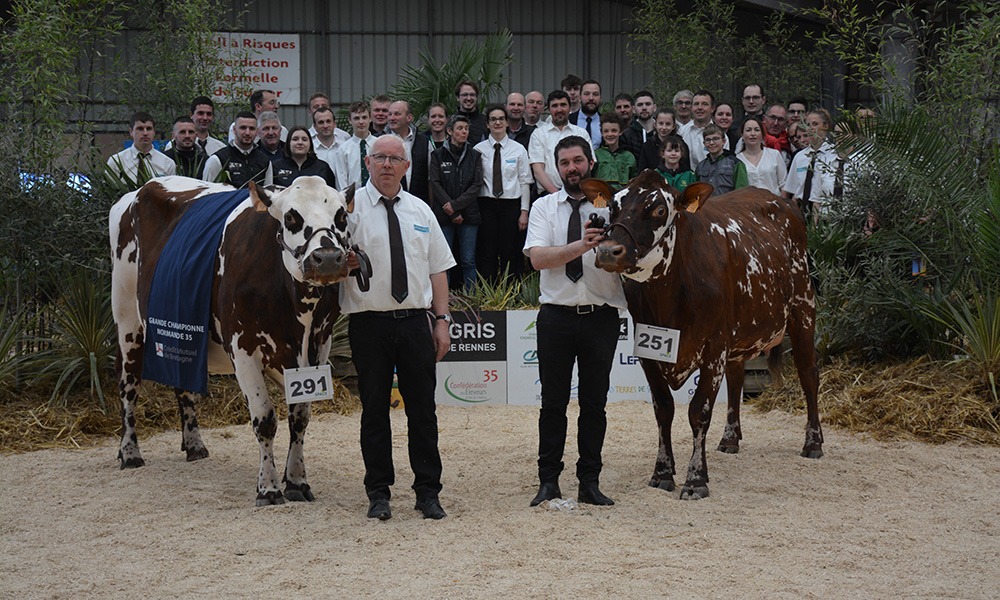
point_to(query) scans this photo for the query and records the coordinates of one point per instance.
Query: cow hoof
(696, 492)
(194, 454)
(298, 493)
(133, 463)
(662, 484)
(270, 498)
(817, 453)
(729, 448)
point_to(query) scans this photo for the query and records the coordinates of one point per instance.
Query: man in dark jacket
(456, 177)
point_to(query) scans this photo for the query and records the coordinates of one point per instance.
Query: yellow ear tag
(600, 201)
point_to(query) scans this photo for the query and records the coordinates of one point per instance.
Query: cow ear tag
(597, 191)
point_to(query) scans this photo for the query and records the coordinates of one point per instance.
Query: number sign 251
(657, 343)
(307, 384)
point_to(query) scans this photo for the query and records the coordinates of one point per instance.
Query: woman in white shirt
(765, 166)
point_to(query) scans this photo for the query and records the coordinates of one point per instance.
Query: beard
(572, 181)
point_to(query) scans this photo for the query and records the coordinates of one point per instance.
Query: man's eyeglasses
(497, 119)
(712, 140)
(468, 95)
(775, 117)
(381, 158)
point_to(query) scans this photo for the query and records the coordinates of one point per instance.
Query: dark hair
(246, 114)
(323, 110)
(199, 100)
(465, 82)
(593, 81)
(799, 100)
(574, 141)
(141, 116)
(757, 120)
(556, 95)
(493, 107)
(319, 95)
(612, 117)
(258, 98)
(675, 141)
(184, 119)
(288, 145)
(705, 93)
(570, 81)
(641, 93)
(624, 96)
(456, 118)
(440, 105)
(380, 98)
(665, 111)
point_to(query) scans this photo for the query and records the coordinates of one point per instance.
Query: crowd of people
(481, 171)
(473, 196)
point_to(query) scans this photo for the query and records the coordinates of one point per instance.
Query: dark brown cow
(730, 273)
(273, 305)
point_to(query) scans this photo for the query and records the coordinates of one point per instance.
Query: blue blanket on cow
(177, 316)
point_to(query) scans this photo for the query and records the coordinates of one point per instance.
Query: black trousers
(499, 245)
(589, 340)
(380, 344)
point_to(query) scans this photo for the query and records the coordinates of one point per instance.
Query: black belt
(581, 309)
(403, 313)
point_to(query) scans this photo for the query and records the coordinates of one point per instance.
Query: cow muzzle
(325, 266)
(612, 256)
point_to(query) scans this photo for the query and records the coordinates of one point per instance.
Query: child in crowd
(673, 151)
(720, 168)
(615, 164)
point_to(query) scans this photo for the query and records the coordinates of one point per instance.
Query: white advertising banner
(254, 61)
(475, 369)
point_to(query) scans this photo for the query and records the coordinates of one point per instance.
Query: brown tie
(364, 167)
(143, 173)
(396, 257)
(574, 268)
(497, 171)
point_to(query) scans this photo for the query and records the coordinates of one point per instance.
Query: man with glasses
(776, 131)
(467, 93)
(400, 324)
(682, 110)
(753, 100)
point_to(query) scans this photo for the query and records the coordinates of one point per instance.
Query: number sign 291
(307, 384)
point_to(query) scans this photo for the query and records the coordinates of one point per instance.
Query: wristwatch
(445, 317)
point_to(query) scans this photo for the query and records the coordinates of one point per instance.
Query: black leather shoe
(546, 491)
(431, 508)
(591, 494)
(379, 509)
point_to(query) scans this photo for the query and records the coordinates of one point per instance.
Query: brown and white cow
(730, 273)
(273, 305)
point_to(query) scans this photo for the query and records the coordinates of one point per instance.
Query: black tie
(497, 171)
(396, 256)
(807, 187)
(143, 173)
(589, 119)
(364, 167)
(204, 144)
(574, 268)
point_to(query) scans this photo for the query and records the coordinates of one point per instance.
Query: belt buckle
(401, 313)
(584, 309)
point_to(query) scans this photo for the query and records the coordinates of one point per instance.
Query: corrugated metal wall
(355, 49)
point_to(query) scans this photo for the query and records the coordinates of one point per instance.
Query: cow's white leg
(191, 441)
(128, 365)
(125, 309)
(264, 422)
(296, 486)
(700, 417)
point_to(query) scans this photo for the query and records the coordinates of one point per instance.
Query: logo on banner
(622, 329)
(531, 357)
(159, 349)
(473, 392)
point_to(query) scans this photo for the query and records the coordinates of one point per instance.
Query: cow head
(644, 216)
(312, 229)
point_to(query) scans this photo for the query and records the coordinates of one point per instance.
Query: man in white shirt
(577, 323)
(140, 162)
(682, 110)
(702, 107)
(203, 115)
(317, 101)
(401, 124)
(350, 156)
(541, 148)
(503, 208)
(392, 329)
(534, 105)
(325, 144)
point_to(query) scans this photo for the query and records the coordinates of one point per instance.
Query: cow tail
(775, 358)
